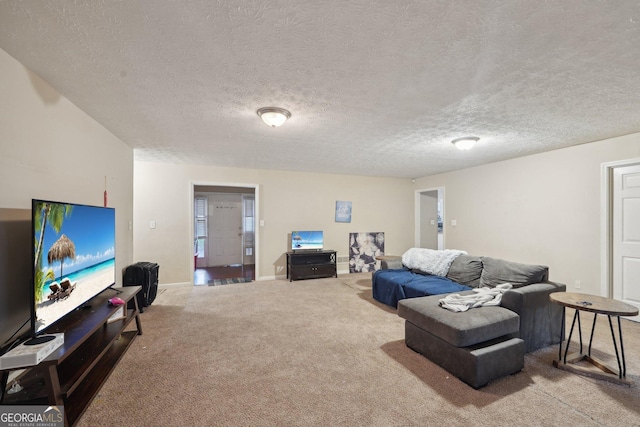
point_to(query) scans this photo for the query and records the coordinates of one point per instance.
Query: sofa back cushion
(496, 271)
(466, 270)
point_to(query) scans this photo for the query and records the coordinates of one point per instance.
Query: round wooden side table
(596, 305)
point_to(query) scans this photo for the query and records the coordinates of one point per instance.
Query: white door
(429, 219)
(225, 229)
(626, 235)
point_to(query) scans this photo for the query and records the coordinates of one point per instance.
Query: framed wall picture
(343, 211)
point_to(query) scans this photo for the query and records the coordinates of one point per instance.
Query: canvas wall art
(363, 250)
(343, 211)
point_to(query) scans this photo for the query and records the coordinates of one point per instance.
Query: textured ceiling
(375, 87)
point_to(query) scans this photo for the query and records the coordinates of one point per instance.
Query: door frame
(441, 194)
(256, 192)
(606, 223)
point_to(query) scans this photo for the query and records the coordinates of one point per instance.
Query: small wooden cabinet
(311, 265)
(74, 373)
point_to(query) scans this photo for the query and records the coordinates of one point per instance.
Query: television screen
(301, 240)
(73, 257)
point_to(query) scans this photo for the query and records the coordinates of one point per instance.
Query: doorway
(224, 233)
(621, 229)
(429, 208)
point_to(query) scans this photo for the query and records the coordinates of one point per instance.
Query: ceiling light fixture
(465, 143)
(273, 116)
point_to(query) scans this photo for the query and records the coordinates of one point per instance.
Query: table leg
(136, 309)
(52, 384)
(624, 365)
(566, 350)
(579, 330)
(615, 346)
(561, 333)
(593, 328)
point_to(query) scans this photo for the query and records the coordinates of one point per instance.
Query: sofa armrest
(540, 319)
(391, 263)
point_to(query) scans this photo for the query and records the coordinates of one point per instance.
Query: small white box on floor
(30, 355)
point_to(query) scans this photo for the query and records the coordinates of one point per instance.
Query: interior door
(626, 235)
(225, 229)
(429, 219)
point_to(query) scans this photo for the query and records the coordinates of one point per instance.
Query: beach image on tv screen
(306, 240)
(74, 257)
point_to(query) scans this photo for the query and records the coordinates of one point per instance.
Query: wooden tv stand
(311, 264)
(74, 373)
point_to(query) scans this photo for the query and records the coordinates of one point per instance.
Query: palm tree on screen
(51, 214)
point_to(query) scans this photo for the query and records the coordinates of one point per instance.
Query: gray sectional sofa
(484, 343)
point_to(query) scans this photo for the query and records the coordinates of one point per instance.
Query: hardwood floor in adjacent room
(202, 276)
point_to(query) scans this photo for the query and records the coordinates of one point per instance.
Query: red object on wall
(105, 198)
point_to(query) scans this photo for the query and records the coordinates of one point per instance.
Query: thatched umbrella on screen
(62, 249)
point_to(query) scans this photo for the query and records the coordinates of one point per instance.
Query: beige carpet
(323, 353)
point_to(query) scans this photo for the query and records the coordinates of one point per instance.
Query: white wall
(287, 201)
(544, 208)
(50, 149)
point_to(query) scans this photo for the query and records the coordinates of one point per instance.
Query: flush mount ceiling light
(273, 116)
(465, 143)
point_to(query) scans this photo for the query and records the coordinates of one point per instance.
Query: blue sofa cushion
(391, 286)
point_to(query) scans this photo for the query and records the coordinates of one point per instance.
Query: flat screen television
(307, 240)
(73, 258)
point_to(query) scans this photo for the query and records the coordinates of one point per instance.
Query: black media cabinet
(74, 373)
(311, 264)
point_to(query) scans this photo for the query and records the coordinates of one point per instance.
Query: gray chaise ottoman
(475, 346)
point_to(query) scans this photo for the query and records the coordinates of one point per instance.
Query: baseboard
(175, 284)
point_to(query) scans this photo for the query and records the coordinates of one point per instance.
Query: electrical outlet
(578, 284)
